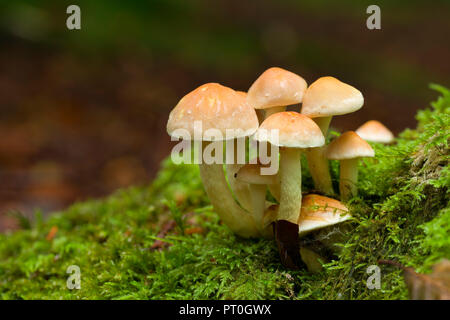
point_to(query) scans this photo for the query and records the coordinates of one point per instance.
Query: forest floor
(84, 113)
(164, 241)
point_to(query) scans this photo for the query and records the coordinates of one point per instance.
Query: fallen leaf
(127, 233)
(286, 238)
(158, 244)
(433, 286)
(52, 233)
(193, 230)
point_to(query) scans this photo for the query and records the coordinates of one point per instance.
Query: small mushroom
(275, 89)
(349, 148)
(312, 260)
(251, 174)
(375, 131)
(316, 215)
(319, 212)
(325, 98)
(221, 108)
(272, 92)
(295, 132)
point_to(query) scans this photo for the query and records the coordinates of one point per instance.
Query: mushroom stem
(312, 260)
(216, 187)
(270, 111)
(318, 163)
(290, 184)
(258, 196)
(323, 123)
(319, 169)
(286, 227)
(275, 190)
(240, 189)
(348, 178)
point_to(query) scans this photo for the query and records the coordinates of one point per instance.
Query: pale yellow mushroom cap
(251, 173)
(328, 96)
(349, 146)
(276, 87)
(375, 131)
(216, 107)
(294, 131)
(320, 212)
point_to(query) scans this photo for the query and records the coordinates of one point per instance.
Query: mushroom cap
(242, 93)
(295, 130)
(251, 173)
(276, 87)
(328, 96)
(319, 212)
(375, 131)
(349, 146)
(217, 107)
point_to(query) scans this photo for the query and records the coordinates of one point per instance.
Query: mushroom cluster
(214, 117)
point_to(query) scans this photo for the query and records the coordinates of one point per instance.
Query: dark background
(83, 112)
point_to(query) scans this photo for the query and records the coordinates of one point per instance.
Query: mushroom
(272, 92)
(375, 131)
(240, 189)
(324, 98)
(295, 132)
(214, 106)
(311, 259)
(348, 148)
(317, 213)
(275, 89)
(251, 174)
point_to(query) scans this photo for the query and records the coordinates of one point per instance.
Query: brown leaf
(158, 244)
(127, 233)
(286, 238)
(52, 233)
(433, 286)
(193, 230)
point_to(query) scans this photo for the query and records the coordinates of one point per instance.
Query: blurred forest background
(83, 112)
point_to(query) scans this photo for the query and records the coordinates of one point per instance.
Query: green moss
(402, 213)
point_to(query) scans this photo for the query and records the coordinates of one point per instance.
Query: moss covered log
(165, 242)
